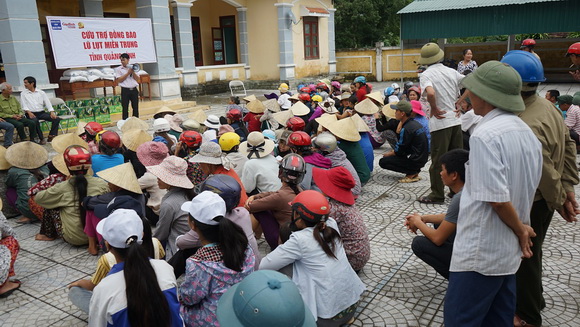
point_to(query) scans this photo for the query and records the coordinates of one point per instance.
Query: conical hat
(161, 112)
(326, 119)
(299, 109)
(61, 142)
(122, 176)
(134, 138)
(26, 155)
(60, 165)
(272, 105)
(283, 116)
(366, 107)
(199, 116)
(345, 129)
(250, 97)
(377, 96)
(81, 128)
(360, 123)
(134, 123)
(388, 111)
(294, 97)
(3, 163)
(256, 107)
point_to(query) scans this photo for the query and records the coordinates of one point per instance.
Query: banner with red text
(93, 42)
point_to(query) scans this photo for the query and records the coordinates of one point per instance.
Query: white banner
(92, 42)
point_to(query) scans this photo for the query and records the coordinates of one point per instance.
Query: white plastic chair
(71, 116)
(237, 88)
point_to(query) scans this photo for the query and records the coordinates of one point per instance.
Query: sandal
(7, 293)
(410, 179)
(428, 200)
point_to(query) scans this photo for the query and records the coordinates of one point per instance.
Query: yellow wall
(229, 72)
(263, 49)
(355, 64)
(392, 63)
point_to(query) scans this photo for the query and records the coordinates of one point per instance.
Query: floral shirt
(206, 280)
(371, 122)
(194, 172)
(353, 233)
(463, 68)
(46, 183)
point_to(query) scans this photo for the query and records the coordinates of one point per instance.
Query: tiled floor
(401, 289)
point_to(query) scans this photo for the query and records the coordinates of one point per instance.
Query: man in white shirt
(502, 174)
(34, 101)
(441, 85)
(128, 80)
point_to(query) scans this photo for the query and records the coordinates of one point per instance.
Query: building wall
(263, 49)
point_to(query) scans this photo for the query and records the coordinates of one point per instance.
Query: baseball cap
(205, 207)
(403, 106)
(119, 202)
(566, 98)
(121, 228)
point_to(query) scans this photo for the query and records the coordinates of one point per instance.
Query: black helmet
(408, 85)
(223, 185)
(292, 168)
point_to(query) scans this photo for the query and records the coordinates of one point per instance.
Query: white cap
(121, 228)
(161, 125)
(205, 207)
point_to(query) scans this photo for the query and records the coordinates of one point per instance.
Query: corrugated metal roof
(439, 5)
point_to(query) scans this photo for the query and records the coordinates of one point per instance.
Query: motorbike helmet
(77, 159)
(234, 115)
(225, 186)
(191, 138)
(292, 168)
(110, 139)
(311, 206)
(229, 140)
(326, 142)
(304, 97)
(93, 128)
(295, 124)
(526, 64)
(360, 79)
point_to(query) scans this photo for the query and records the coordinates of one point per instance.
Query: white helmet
(395, 86)
(161, 125)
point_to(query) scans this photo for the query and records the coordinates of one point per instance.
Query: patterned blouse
(466, 69)
(371, 122)
(353, 233)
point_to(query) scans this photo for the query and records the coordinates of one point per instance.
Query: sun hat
(335, 182)
(497, 84)
(325, 120)
(366, 107)
(328, 106)
(162, 112)
(225, 129)
(388, 111)
(361, 126)
(4, 164)
(133, 123)
(122, 176)
(205, 207)
(403, 106)
(417, 108)
(172, 171)
(151, 153)
(264, 298)
(122, 228)
(63, 141)
(209, 153)
(271, 105)
(161, 125)
(299, 109)
(270, 134)
(26, 155)
(430, 54)
(345, 96)
(283, 88)
(344, 129)
(256, 106)
(212, 121)
(249, 98)
(191, 125)
(566, 98)
(119, 202)
(283, 116)
(175, 122)
(81, 128)
(377, 96)
(199, 116)
(134, 138)
(257, 146)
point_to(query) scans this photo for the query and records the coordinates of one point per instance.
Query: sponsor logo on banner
(55, 24)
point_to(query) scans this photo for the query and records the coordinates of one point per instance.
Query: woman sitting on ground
(9, 248)
(109, 148)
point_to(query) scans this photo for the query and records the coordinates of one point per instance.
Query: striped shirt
(505, 162)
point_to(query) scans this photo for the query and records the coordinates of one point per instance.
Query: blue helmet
(300, 86)
(225, 186)
(526, 64)
(389, 91)
(360, 79)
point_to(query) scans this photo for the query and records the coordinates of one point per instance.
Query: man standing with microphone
(128, 80)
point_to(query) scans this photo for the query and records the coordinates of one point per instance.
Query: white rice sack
(75, 72)
(92, 78)
(74, 79)
(95, 72)
(142, 72)
(65, 78)
(108, 77)
(107, 70)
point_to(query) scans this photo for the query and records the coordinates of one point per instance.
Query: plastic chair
(237, 88)
(71, 116)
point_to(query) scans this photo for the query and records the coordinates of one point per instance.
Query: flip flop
(428, 200)
(7, 293)
(410, 179)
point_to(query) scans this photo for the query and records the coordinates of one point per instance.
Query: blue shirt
(103, 161)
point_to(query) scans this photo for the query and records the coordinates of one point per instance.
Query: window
(311, 38)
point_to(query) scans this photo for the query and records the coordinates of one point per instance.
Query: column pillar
(164, 79)
(21, 45)
(91, 8)
(285, 41)
(331, 43)
(379, 61)
(184, 39)
(243, 36)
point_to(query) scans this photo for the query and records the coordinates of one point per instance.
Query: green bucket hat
(497, 84)
(430, 54)
(565, 99)
(576, 100)
(403, 106)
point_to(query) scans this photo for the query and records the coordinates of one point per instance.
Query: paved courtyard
(401, 289)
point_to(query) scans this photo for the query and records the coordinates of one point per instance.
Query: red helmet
(110, 139)
(234, 114)
(574, 49)
(305, 89)
(528, 42)
(322, 86)
(311, 206)
(191, 138)
(299, 139)
(295, 124)
(93, 128)
(77, 159)
(304, 97)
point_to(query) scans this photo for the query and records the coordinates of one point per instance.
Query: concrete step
(146, 112)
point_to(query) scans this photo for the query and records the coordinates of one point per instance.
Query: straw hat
(388, 111)
(175, 122)
(161, 112)
(344, 129)
(326, 119)
(26, 155)
(299, 109)
(134, 123)
(152, 153)
(345, 96)
(271, 105)
(61, 142)
(122, 176)
(199, 116)
(3, 163)
(366, 107)
(360, 123)
(430, 54)
(283, 116)
(257, 146)
(250, 97)
(172, 171)
(81, 128)
(134, 138)
(256, 107)
(377, 96)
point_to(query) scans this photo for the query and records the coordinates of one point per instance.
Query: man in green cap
(502, 175)
(441, 84)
